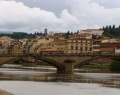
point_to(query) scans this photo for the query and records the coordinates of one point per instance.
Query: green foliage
(21, 35)
(115, 66)
(71, 33)
(43, 64)
(97, 66)
(94, 36)
(77, 31)
(111, 31)
(67, 35)
(16, 62)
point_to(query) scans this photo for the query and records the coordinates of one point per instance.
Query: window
(76, 48)
(117, 47)
(81, 48)
(71, 47)
(90, 48)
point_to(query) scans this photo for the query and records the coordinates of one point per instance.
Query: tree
(111, 32)
(103, 28)
(110, 27)
(113, 27)
(77, 31)
(67, 35)
(115, 66)
(94, 36)
(16, 62)
(68, 32)
(71, 33)
(107, 27)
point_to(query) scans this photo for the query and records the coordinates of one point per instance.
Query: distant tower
(45, 32)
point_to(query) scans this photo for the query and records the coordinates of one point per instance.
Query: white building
(82, 35)
(117, 49)
(92, 31)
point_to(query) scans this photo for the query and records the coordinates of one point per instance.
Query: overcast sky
(57, 15)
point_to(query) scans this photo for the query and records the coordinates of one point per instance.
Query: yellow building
(15, 48)
(5, 39)
(60, 45)
(34, 44)
(45, 48)
(54, 45)
(96, 45)
(79, 45)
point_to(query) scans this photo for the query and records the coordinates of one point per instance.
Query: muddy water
(48, 74)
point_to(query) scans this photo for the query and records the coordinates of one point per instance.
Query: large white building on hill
(92, 31)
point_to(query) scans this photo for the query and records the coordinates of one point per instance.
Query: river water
(43, 80)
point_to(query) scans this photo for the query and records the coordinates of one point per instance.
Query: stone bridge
(63, 63)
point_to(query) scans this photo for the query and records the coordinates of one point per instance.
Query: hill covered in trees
(111, 31)
(21, 35)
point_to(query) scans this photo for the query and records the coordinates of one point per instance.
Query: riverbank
(2, 92)
(97, 66)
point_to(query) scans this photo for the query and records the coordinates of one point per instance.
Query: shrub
(115, 66)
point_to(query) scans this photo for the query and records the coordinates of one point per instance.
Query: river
(43, 80)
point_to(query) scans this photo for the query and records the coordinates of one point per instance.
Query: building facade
(78, 45)
(93, 31)
(109, 47)
(96, 46)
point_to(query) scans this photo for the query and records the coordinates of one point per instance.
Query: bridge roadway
(63, 63)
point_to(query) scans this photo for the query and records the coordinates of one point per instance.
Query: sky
(57, 15)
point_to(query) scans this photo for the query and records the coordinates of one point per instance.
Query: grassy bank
(96, 66)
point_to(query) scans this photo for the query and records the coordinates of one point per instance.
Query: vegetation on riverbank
(115, 66)
(17, 62)
(43, 64)
(97, 66)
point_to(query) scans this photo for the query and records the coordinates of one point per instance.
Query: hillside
(111, 31)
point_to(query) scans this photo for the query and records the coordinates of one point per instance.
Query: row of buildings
(82, 42)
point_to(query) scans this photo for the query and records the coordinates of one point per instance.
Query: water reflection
(48, 74)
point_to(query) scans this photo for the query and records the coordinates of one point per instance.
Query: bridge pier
(69, 66)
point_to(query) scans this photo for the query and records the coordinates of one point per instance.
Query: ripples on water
(48, 74)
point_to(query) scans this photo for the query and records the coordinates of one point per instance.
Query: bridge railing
(65, 54)
(75, 54)
(10, 55)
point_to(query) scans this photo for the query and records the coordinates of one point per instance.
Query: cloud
(92, 15)
(18, 17)
(15, 16)
(108, 3)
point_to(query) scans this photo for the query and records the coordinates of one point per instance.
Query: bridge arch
(60, 67)
(10, 60)
(85, 62)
